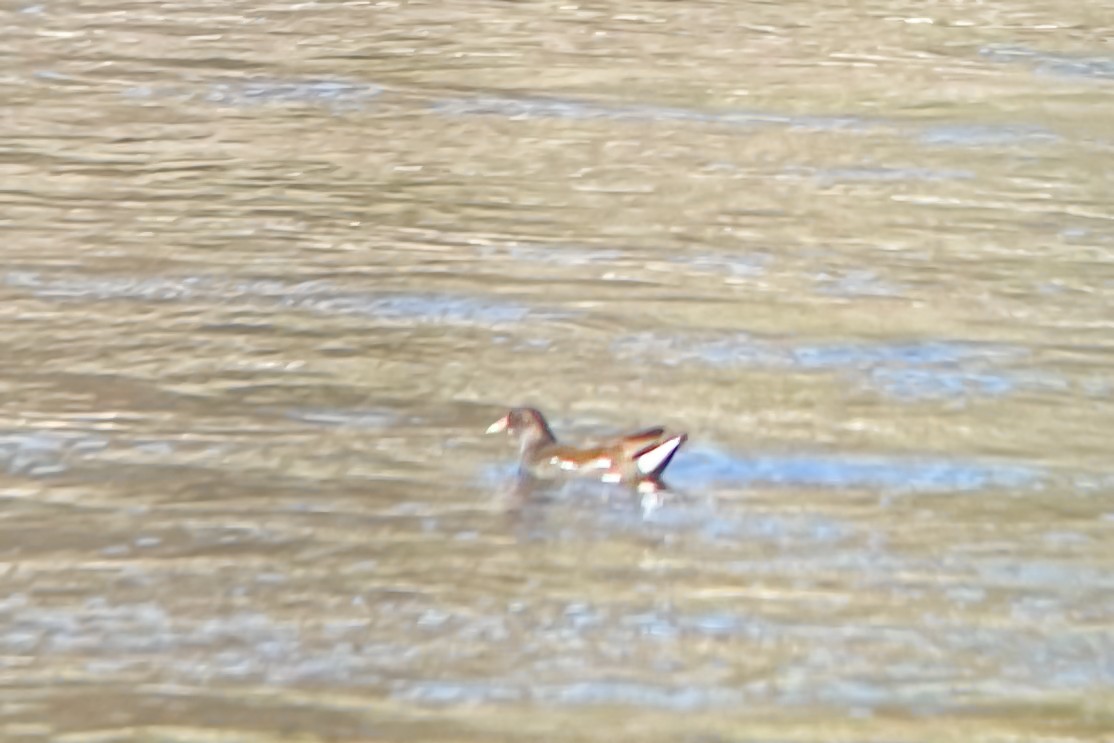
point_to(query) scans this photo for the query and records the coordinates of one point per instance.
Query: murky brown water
(270, 270)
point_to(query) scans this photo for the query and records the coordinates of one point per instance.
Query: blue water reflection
(539, 108)
(1047, 63)
(702, 467)
(910, 370)
(316, 296)
(960, 134)
(336, 95)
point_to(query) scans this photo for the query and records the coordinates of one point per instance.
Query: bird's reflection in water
(525, 501)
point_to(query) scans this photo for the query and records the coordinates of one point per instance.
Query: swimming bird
(637, 459)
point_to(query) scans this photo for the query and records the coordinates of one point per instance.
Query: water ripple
(958, 134)
(706, 466)
(910, 370)
(535, 108)
(315, 296)
(1096, 68)
(336, 95)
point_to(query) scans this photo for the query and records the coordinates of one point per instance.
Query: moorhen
(637, 459)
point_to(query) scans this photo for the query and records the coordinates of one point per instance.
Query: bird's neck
(535, 439)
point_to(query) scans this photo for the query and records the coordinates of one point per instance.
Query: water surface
(270, 270)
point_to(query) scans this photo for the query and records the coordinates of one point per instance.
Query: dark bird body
(637, 459)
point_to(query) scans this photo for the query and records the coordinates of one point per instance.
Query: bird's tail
(652, 460)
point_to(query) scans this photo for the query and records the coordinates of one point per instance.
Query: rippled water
(270, 270)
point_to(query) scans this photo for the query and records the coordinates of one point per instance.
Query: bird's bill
(500, 425)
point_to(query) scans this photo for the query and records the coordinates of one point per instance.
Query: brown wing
(572, 458)
(636, 442)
